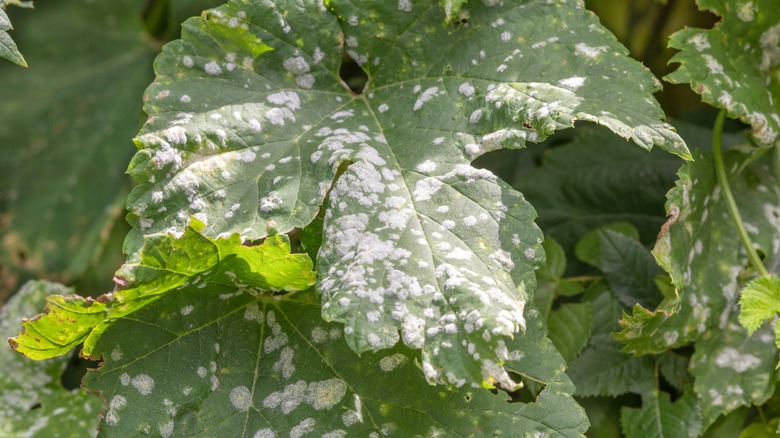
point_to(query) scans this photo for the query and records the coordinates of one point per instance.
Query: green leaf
(629, 266)
(732, 369)
(239, 137)
(702, 252)
(660, 418)
(166, 263)
(735, 65)
(601, 369)
(759, 301)
(285, 372)
(32, 399)
(674, 369)
(8, 49)
(66, 124)
(595, 180)
(569, 328)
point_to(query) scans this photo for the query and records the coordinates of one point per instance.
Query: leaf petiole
(723, 181)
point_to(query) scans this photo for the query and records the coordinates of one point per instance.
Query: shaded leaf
(660, 418)
(66, 124)
(674, 369)
(33, 401)
(250, 123)
(283, 371)
(602, 369)
(569, 328)
(735, 65)
(732, 369)
(702, 252)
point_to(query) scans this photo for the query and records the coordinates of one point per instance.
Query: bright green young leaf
(660, 418)
(33, 402)
(702, 252)
(250, 122)
(759, 301)
(8, 49)
(64, 136)
(166, 263)
(284, 372)
(732, 369)
(736, 65)
(569, 328)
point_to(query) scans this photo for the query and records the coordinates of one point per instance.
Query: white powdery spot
(289, 99)
(338, 433)
(213, 68)
(253, 313)
(588, 51)
(466, 89)
(475, 116)
(426, 188)
(296, 65)
(459, 254)
(166, 430)
(700, 41)
(176, 135)
(404, 5)
(426, 167)
(713, 65)
(325, 394)
(383, 108)
(572, 83)
(270, 202)
(116, 354)
(304, 427)
(186, 310)
(241, 398)
(503, 259)
(143, 384)
(390, 363)
(732, 358)
(470, 221)
(506, 36)
(746, 11)
(448, 224)
(187, 61)
(117, 403)
(202, 372)
(426, 96)
(124, 379)
(265, 433)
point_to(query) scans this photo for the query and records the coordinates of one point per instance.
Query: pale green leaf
(759, 301)
(8, 49)
(282, 372)
(166, 263)
(67, 121)
(250, 123)
(702, 252)
(736, 64)
(660, 418)
(569, 328)
(33, 402)
(732, 369)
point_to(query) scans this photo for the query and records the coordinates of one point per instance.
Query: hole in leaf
(35, 406)
(352, 74)
(75, 371)
(457, 23)
(528, 392)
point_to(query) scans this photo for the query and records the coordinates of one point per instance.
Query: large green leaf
(660, 418)
(736, 65)
(250, 122)
(33, 402)
(66, 124)
(702, 252)
(8, 49)
(282, 371)
(166, 263)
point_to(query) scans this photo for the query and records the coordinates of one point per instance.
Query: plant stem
(723, 181)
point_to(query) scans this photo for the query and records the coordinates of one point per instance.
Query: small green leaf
(419, 246)
(735, 65)
(760, 300)
(8, 49)
(601, 369)
(660, 418)
(166, 263)
(33, 402)
(569, 328)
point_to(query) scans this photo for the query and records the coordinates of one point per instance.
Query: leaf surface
(66, 124)
(250, 122)
(759, 301)
(33, 401)
(284, 372)
(166, 263)
(735, 65)
(8, 49)
(660, 418)
(703, 254)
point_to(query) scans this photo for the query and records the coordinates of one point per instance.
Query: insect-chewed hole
(75, 371)
(352, 74)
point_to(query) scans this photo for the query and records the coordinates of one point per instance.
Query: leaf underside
(8, 49)
(249, 122)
